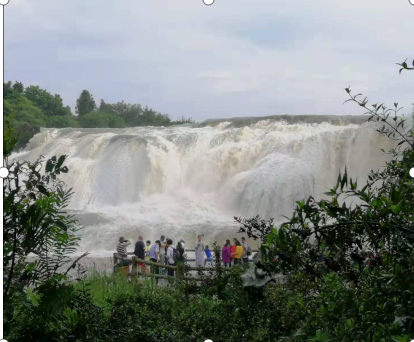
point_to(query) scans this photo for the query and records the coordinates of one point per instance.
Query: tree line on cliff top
(29, 108)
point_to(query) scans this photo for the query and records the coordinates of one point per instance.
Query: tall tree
(98, 119)
(18, 86)
(106, 107)
(49, 104)
(7, 89)
(85, 103)
(68, 110)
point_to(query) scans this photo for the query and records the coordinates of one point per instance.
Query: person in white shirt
(170, 257)
(161, 255)
(245, 246)
(154, 253)
(199, 252)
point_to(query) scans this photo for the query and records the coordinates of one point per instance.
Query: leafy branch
(404, 66)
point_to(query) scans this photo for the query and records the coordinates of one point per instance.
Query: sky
(233, 58)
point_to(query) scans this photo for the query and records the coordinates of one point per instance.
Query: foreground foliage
(348, 266)
(350, 258)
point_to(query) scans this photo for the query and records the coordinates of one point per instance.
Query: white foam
(181, 181)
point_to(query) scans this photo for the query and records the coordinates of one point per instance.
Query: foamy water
(183, 181)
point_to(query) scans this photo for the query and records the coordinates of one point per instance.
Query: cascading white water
(182, 181)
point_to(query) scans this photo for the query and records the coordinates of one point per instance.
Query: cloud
(234, 58)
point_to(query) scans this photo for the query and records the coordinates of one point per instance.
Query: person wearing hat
(121, 248)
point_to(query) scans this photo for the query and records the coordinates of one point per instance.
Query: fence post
(179, 271)
(134, 263)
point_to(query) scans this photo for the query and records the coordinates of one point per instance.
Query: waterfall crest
(181, 181)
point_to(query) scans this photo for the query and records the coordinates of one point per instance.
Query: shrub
(62, 121)
(96, 119)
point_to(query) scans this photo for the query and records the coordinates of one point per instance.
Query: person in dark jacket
(180, 249)
(140, 253)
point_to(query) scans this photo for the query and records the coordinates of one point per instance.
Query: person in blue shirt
(209, 257)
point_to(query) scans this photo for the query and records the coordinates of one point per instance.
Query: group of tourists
(163, 252)
(237, 253)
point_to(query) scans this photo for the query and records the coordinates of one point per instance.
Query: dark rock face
(25, 133)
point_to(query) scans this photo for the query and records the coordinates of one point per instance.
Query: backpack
(249, 250)
(176, 255)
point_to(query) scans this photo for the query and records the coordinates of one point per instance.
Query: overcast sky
(234, 58)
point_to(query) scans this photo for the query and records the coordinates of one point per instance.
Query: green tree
(183, 121)
(85, 103)
(350, 260)
(7, 108)
(24, 116)
(150, 117)
(18, 86)
(58, 109)
(62, 121)
(25, 111)
(130, 113)
(34, 224)
(48, 103)
(38, 240)
(106, 107)
(68, 110)
(7, 89)
(97, 119)
(134, 115)
(9, 138)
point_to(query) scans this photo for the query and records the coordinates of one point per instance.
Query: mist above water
(182, 181)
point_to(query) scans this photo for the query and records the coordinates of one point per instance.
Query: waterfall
(185, 180)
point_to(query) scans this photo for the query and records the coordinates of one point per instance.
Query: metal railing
(156, 265)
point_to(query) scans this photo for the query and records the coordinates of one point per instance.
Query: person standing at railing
(209, 258)
(199, 252)
(154, 251)
(183, 245)
(122, 251)
(140, 253)
(147, 249)
(238, 253)
(153, 255)
(170, 257)
(226, 254)
(161, 258)
(247, 251)
(233, 250)
(180, 252)
(147, 258)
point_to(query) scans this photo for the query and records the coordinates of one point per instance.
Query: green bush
(62, 121)
(97, 119)
(332, 290)
(350, 267)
